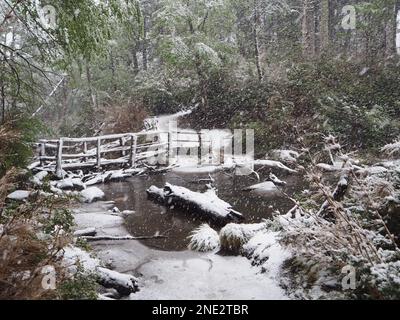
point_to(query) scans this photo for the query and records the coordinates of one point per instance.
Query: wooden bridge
(127, 150)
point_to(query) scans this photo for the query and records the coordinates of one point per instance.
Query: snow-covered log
(125, 284)
(120, 238)
(88, 232)
(274, 164)
(264, 187)
(205, 204)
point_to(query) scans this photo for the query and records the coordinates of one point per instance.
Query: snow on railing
(89, 152)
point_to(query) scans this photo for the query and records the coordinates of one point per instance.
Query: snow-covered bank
(165, 275)
(206, 276)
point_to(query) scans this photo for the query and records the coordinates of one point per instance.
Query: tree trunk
(397, 27)
(91, 92)
(325, 25)
(200, 74)
(256, 42)
(112, 67)
(135, 59)
(144, 49)
(3, 103)
(308, 29)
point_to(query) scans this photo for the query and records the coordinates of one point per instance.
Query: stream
(165, 267)
(151, 218)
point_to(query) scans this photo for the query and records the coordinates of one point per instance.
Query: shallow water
(151, 218)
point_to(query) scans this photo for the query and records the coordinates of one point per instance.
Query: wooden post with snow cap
(122, 144)
(59, 158)
(98, 153)
(85, 150)
(168, 153)
(199, 151)
(132, 156)
(42, 152)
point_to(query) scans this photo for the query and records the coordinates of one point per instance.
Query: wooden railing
(79, 153)
(125, 149)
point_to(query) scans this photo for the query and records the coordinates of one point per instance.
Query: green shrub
(83, 286)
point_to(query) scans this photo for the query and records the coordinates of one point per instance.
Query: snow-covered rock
(38, 178)
(74, 256)
(264, 187)
(100, 221)
(63, 184)
(56, 190)
(19, 195)
(126, 213)
(285, 155)
(204, 239)
(78, 184)
(91, 194)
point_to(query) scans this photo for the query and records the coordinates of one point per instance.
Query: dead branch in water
(124, 238)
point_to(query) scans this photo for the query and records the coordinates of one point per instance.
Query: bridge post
(122, 144)
(98, 153)
(42, 152)
(84, 150)
(59, 158)
(132, 156)
(199, 150)
(168, 153)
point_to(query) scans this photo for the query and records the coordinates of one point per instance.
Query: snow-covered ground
(177, 275)
(206, 276)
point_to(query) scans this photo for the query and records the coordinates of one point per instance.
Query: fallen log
(125, 284)
(88, 232)
(203, 204)
(123, 238)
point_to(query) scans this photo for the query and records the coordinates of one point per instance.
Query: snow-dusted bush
(345, 231)
(233, 236)
(392, 148)
(264, 249)
(204, 239)
(386, 277)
